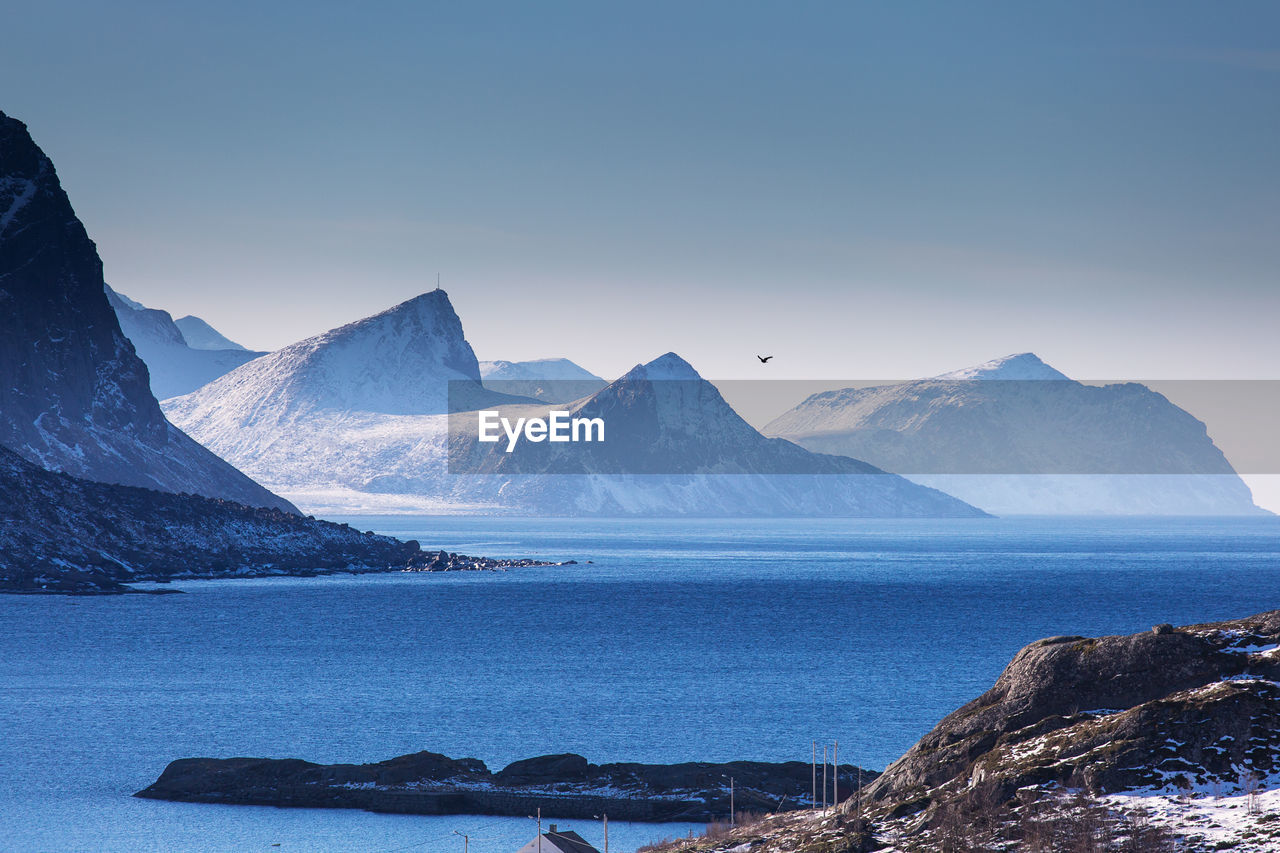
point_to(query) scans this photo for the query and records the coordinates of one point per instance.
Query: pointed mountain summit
(396, 362)
(1033, 443)
(74, 396)
(297, 417)
(1022, 366)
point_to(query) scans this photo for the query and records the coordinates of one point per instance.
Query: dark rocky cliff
(74, 396)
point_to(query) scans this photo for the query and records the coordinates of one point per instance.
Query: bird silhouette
(764, 359)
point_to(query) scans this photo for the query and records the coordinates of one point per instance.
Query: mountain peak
(200, 335)
(668, 367)
(1020, 366)
(398, 361)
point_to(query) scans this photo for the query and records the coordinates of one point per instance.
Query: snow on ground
(335, 500)
(1240, 822)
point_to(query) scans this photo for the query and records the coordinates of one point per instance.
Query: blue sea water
(680, 640)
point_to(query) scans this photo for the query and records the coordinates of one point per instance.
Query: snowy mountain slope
(538, 368)
(348, 407)
(74, 395)
(551, 380)
(200, 335)
(175, 367)
(1024, 366)
(1034, 443)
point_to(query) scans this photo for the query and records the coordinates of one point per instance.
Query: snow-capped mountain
(175, 367)
(1020, 367)
(1015, 436)
(74, 396)
(346, 408)
(200, 335)
(355, 419)
(402, 361)
(551, 380)
(673, 445)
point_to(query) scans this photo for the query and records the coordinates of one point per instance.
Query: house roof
(569, 842)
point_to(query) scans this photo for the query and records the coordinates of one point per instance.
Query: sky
(859, 189)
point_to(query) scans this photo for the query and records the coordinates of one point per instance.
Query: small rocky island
(562, 786)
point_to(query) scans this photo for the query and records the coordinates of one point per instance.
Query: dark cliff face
(74, 396)
(62, 354)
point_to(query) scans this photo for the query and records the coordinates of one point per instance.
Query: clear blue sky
(860, 189)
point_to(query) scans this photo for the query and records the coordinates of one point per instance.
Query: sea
(669, 640)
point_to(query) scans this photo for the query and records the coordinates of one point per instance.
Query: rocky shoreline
(64, 535)
(563, 786)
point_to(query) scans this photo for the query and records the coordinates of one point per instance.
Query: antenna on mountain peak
(437, 281)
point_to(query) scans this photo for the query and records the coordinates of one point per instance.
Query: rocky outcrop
(562, 786)
(74, 396)
(1062, 751)
(62, 534)
(1167, 708)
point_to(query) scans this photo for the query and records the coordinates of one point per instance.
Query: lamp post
(466, 840)
(606, 830)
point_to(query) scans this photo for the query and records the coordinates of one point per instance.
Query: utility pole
(813, 767)
(539, 829)
(606, 834)
(859, 803)
(731, 815)
(835, 774)
(824, 777)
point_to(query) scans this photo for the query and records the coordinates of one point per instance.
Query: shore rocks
(62, 534)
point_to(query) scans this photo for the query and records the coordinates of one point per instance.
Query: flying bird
(764, 359)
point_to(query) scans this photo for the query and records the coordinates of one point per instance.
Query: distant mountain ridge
(175, 367)
(1015, 436)
(74, 396)
(200, 335)
(674, 446)
(551, 380)
(360, 412)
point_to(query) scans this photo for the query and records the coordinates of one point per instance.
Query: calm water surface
(681, 640)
